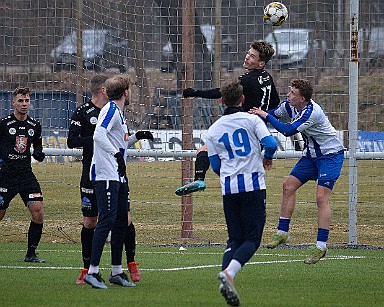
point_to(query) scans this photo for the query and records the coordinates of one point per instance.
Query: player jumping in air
(259, 91)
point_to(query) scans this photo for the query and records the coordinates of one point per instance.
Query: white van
(102, 49)
(292, 46)
(376, 47)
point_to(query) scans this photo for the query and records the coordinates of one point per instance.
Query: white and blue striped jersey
(320, 137)
(235, 138)
(110, 137)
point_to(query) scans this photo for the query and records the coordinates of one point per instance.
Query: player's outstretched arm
(209, 94)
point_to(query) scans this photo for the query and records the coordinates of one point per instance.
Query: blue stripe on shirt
(241, 183)
(93, 172)
(304, 116)
(107, 119)
(227, 185)
(317, 147)
(255, 181)
(288, 109)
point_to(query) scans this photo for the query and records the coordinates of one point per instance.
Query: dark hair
(264, 48)
(304, 86)
(232, 92)
(23, 90)
(96, 83)
(116, 86)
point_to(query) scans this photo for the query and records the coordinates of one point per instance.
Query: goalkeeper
(81, 130)
(259, 91)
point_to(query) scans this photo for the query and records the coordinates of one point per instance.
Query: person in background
(235, 155)
(259, 91)
(18, 132)
(322, 160)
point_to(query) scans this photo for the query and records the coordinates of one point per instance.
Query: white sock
(233, 267)
(321, 244)
(117, 269)
(93, 269)
(281, 232)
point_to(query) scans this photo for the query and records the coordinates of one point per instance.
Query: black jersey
(258, 88)
(81, 129)
(16, 138)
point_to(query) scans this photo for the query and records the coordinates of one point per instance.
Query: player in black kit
(80, 134)
(18, 131)
(259, 91)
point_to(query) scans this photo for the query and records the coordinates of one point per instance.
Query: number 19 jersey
(235, 138)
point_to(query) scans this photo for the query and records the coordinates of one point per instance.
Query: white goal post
(153, 153)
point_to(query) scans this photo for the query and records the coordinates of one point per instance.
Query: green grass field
(156, 210)
(347, 277)
(174, 277)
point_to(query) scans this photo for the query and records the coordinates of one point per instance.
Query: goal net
(56, 47)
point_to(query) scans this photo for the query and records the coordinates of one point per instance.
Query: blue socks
(283, 225)
(322, 237)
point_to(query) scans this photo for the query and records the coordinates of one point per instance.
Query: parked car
(102, 49)
(168, 57)
(292, 46)
(376, 47)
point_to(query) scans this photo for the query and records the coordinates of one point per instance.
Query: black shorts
(24, 183)
(88, 198)
(245, 214)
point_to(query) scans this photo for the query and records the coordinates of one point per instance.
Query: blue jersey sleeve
(270, 146)
(215, 163)
(286, 129)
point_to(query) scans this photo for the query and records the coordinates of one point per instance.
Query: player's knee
(290, 185)
(37, 211)
(2, 214)
(287, 188)
(38, 217)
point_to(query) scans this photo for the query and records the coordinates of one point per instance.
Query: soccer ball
(275, 13)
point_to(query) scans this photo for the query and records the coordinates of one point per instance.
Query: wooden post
(188, 34)
(79, 53)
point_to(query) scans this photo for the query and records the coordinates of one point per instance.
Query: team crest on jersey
(31, 132)
(21, 143)
(93, 120)
(12, 131)
(263, 79)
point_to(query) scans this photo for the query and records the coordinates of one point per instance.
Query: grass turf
(173, 277)
(156, 210)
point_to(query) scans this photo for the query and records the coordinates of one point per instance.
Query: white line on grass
(184, 268)
(185, 252)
